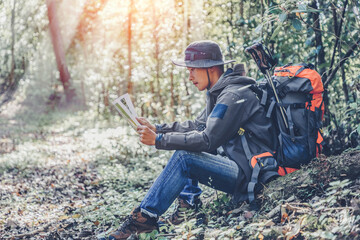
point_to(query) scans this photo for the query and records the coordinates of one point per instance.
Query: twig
(23, 235)
(342, 61)
(335, 208)
(320, 30)
(273, 212)
(337, 30)
(296, 209)
(303, 204)
(276, 210)
(166, 235)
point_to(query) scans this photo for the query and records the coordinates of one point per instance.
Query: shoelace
(127, 222)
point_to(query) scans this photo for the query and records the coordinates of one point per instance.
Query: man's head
(204, 78)
(204, 61)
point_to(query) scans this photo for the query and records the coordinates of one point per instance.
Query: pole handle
(262, 56)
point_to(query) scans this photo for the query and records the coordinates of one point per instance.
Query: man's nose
(191, 77)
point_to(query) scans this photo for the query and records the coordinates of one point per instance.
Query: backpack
(299, 88)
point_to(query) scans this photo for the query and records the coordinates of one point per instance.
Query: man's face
(198, 77)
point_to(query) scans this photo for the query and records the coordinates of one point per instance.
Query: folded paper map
(126, 108)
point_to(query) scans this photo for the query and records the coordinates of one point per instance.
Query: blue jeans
(191, 191)
(212, 170)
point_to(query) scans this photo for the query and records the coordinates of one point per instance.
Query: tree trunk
(83, 97)
(157, 50)
(344, 85)
(229, 46)
(343, 77)
(241, 9)
(318, 41)
(232, 25)
(186, 27)
(262, 16)
(129, 82)
(320, 57)
(87, 19)
(187, 22)
(337, 32)
(106, 96)
(12, 70)
(8, 87)
(85, 24)
(59, 51)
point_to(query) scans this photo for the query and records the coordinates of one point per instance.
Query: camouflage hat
(202, 54)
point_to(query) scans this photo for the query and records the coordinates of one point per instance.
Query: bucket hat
(202, 54)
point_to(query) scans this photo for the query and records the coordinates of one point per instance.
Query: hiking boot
(183, 211)
(137, 222)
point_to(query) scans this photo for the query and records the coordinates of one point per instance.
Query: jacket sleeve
(198, 124)
(230, 112)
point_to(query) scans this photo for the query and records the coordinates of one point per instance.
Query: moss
(311, 179)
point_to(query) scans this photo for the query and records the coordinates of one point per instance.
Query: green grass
(81, 174)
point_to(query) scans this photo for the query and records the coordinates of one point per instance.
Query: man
(232, 109)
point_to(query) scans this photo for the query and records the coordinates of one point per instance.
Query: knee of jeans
(180, 155)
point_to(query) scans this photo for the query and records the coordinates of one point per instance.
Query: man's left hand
(147, 136)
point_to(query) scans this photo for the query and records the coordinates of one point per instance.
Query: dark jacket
(230, 106)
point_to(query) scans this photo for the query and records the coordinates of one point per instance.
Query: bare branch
(318, 38)
(342, 61)
(337, 30)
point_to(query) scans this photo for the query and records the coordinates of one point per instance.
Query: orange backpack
(300, 89)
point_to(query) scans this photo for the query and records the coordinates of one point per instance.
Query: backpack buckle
(241, 131)
(267, 163)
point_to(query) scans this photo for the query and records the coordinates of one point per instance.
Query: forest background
(64, 61)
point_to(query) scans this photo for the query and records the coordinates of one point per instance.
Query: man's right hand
(145, 122)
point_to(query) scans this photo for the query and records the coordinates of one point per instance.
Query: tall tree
(156, 38)
(12, 71)
(129, 41)
(87, 19)
(59, 51)
(186, 27)
(321, 55)
(8, 87)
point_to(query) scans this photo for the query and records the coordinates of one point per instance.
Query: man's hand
(147, 136)
(143, 121)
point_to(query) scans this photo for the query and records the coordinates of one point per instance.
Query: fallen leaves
(293, 230)
(284, 217)
(63, 217)
(81, 183)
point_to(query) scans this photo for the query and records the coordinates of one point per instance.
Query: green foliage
(100, 71)
(148, 236)
(79, 161)
(82, 175)
(20, 32)
(288, 27)
(296, 24)
(343, 131)
(88, 169)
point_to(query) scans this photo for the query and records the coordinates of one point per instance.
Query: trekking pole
(265, 62)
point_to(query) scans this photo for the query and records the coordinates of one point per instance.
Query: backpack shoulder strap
(257, 166)
(261, 93)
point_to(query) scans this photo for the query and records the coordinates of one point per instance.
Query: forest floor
(69, 175)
